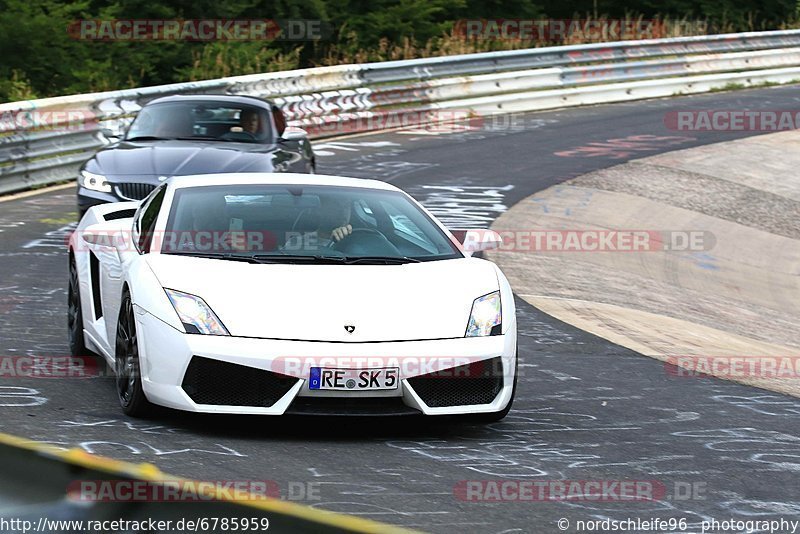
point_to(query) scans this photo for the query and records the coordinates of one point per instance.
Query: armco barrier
(341, 99)
(34, 482)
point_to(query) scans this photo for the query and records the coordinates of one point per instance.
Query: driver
(334, 221)
(250, 121)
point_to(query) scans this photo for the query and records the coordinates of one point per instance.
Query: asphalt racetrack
(586, 409)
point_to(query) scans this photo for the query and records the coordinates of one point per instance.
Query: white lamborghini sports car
(291, 294)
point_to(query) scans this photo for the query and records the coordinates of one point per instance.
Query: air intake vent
(219, 383)
(94, 270)
(474, 383)
(121, 214)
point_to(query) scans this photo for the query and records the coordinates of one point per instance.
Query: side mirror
(294, 134)
(480, 240)
(110, 134)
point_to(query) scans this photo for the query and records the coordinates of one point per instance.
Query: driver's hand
(337, 234)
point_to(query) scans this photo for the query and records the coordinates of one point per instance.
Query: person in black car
(251, 122)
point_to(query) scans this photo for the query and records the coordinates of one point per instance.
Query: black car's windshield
(202, 121)
(303, 224)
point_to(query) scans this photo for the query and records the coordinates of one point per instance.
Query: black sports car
(193, 134)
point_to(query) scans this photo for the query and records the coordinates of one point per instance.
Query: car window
(277, 220)
(402, 223)
(202, 120)
(148, 219)
(364, 213)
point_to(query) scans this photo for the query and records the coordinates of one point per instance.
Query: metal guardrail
(351, 98)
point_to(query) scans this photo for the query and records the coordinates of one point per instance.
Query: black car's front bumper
(88, 198)
(120, 192)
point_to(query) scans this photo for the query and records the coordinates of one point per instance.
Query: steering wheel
(363, 231)
(238, 136)
(343, 244)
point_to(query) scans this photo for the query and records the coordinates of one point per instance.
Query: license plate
(354, 379)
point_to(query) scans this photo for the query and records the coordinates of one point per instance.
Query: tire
(77, 343)
(128, 378)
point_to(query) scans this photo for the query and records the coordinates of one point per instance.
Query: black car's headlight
(486, 318)
(95, 182)
(197, 317)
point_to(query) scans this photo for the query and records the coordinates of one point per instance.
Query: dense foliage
(40, 58)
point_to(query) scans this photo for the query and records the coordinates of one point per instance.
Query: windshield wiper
(199, 138)
(211, 255)
(302, 258)
(379, 260)
(148, 138)
(298, 258)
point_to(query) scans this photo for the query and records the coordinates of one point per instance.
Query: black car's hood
(148, 161)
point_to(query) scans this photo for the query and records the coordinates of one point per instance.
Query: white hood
(415, 301)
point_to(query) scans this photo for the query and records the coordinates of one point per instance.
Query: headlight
(95, 182)
(196, 316)
(486, 318)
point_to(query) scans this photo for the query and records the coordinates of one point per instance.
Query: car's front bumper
(88, 198)
(166, 355)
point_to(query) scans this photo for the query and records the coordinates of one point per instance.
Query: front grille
(134, 191)
(474, 383)
(351, 406)
(219, 383)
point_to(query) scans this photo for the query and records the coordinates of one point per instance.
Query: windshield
(210, 121)
(280, 223)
